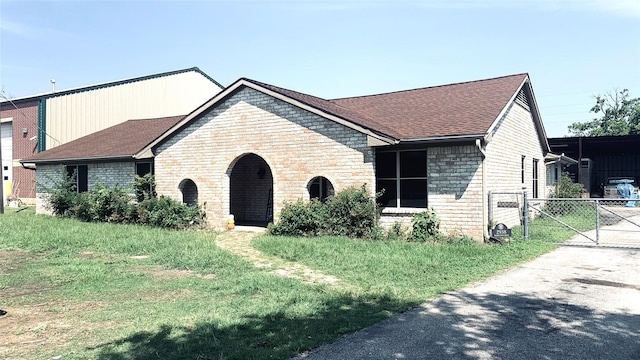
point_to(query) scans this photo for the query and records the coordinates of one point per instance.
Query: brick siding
(296, 146)
(24, 117)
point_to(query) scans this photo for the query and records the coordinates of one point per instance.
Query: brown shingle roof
(330, 107)
(468, 108)
(119, 141)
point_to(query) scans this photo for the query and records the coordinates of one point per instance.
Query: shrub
(167, 213)
(300, 219)
(425, 226)
(397, 232)
(62, 195)
(144, 187)
(567, 189)
(104, 204)
(351, 212)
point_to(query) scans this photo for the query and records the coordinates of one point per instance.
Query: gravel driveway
(572, 303)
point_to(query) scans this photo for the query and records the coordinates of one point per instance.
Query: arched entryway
(251, 191)
(189, 191)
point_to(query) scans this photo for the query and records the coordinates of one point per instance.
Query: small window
(80, 177)
(143, 168)
(535, 178)
(189, 192)
(522, 169)
(6, 168)
(320, 188)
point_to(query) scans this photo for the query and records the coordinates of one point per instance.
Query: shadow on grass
(274, 336)
(515, 326)
(455, 326)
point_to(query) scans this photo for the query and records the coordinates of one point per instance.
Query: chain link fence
(558, 219)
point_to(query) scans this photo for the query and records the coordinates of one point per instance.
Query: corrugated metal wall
(72, 116)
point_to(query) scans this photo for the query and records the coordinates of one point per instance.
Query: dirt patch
(160, 273)
(239, 243)
(51, 325)
(12, 260)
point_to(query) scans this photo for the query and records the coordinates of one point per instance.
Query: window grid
(398, 179)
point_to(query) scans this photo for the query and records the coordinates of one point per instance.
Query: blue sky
(572, 49)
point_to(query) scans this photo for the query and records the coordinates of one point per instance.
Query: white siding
(514, 137)
(78, 114)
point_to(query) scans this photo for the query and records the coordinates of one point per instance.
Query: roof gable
(124, 140)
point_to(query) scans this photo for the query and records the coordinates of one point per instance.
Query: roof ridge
(283, 91)
(113, 83)
(428, 87)
(157, 118)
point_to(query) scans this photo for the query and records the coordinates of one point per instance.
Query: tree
(620, 115)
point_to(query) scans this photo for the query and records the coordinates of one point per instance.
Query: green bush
(104, 204)
(567, 189)
(350, 213)
(62, 195)
(167, 213)
(300, 219)
(425, 226)
(144, 187)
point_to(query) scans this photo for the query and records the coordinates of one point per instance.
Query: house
(33, 124)
(97, 159)
(255, 146)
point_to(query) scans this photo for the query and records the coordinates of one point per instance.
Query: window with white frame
(535, 178)
(401, 176)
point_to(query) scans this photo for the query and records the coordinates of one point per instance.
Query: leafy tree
(620, 115)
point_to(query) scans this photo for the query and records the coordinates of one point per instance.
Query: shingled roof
(120, 141)
(455, 110)
(468, 108)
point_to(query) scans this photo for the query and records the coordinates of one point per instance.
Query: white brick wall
(514, 137)
(296, 145)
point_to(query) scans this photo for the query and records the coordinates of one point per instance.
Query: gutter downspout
(27, 167)
(485, 205)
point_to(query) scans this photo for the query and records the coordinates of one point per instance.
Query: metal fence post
(525, 215)
(490, 208)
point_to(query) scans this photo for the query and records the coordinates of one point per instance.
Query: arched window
(320, 188)
(189, 192)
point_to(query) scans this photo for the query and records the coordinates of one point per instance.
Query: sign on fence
(501, 231)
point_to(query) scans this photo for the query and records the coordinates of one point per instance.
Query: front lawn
(78, 290)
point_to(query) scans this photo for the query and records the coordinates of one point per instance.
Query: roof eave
(446, 138)
(75, 160)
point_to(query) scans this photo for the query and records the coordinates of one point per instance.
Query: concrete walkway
(572, 303)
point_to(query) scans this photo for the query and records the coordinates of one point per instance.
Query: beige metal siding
(75, 115)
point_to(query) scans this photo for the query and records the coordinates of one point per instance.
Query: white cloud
(17, 28)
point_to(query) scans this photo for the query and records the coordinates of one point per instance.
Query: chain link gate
(613, 222)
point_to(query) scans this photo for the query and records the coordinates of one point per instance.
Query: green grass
(102, 291)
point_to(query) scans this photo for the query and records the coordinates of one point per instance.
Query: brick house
(255, 146)
(33, 124)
